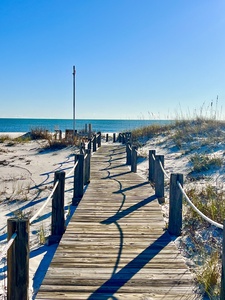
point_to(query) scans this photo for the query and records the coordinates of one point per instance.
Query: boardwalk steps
(115, 246)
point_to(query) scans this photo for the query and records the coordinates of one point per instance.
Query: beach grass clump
(38, 133)
(22, 139)
(205, 131)
(42, 238)
(57, 144)
(149, 131)
(209, 275)
(203, 162)
(209, 201)
(52, 143)
(4, 137)
(205, 246)
(12, 141)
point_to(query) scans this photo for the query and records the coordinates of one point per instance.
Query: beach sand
(26, 180)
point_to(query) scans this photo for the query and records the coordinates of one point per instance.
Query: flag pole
(74, 116)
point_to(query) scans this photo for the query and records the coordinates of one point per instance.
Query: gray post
(159, 178)
(18, 259)
(89, 144)
(127, 137)
(175, 206)
(119, 138)
(107, 137)
(99, 139)
(123, 138)
(114, 137)
(82, 148)
(134, 159)
(58, 220)
(151, 169)
(222, 290)
(94, 143)
(89, 131)
(87, 165)
(78, 190)
(128, 150)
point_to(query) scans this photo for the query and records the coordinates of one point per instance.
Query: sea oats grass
(203, 162)
(209, 201)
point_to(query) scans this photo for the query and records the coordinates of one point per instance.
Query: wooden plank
(116, 246)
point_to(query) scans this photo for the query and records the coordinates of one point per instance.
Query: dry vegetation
(201, 142)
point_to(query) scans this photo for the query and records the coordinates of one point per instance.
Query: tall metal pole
(74, 116)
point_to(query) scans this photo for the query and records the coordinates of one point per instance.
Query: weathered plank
(116, 246)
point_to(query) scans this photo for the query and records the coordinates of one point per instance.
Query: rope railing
(72, 170)
(190, 202)
(7, 246)
(197, 210)
(138, 152)
(20, 227)
(54, 188)
(176, 198)
(45, 204)
(159, 182)
(164, 171)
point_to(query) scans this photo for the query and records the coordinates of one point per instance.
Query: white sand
(26, 180)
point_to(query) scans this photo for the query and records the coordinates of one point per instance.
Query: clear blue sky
(134, 58)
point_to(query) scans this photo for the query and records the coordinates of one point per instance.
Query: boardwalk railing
(17, 248)
(156, 176)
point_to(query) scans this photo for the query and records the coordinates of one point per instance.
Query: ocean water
(25, 125)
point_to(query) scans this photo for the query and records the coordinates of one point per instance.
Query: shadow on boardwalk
(119, 279)
(116, 246)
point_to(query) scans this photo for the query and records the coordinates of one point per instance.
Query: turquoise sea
(25, 125)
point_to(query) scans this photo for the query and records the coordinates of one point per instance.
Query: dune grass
(4, 137)
(209, 201)
(199, 137)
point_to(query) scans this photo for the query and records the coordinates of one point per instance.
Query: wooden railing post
(222, 289)
(18, 259)
(134, 159)
(89, 144)
(87, 166)
(119, 138)
(107, 137)
(58, 219)
(175, 205)
(99, 140)
(78, 189)
(123, 138)
(151, 169)
(94, 143)
(128, 137)
(82, 148)
(159, 178)
(89, 131)
(114, 137)
(128, 151)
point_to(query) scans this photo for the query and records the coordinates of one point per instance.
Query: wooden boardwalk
(115, 246)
